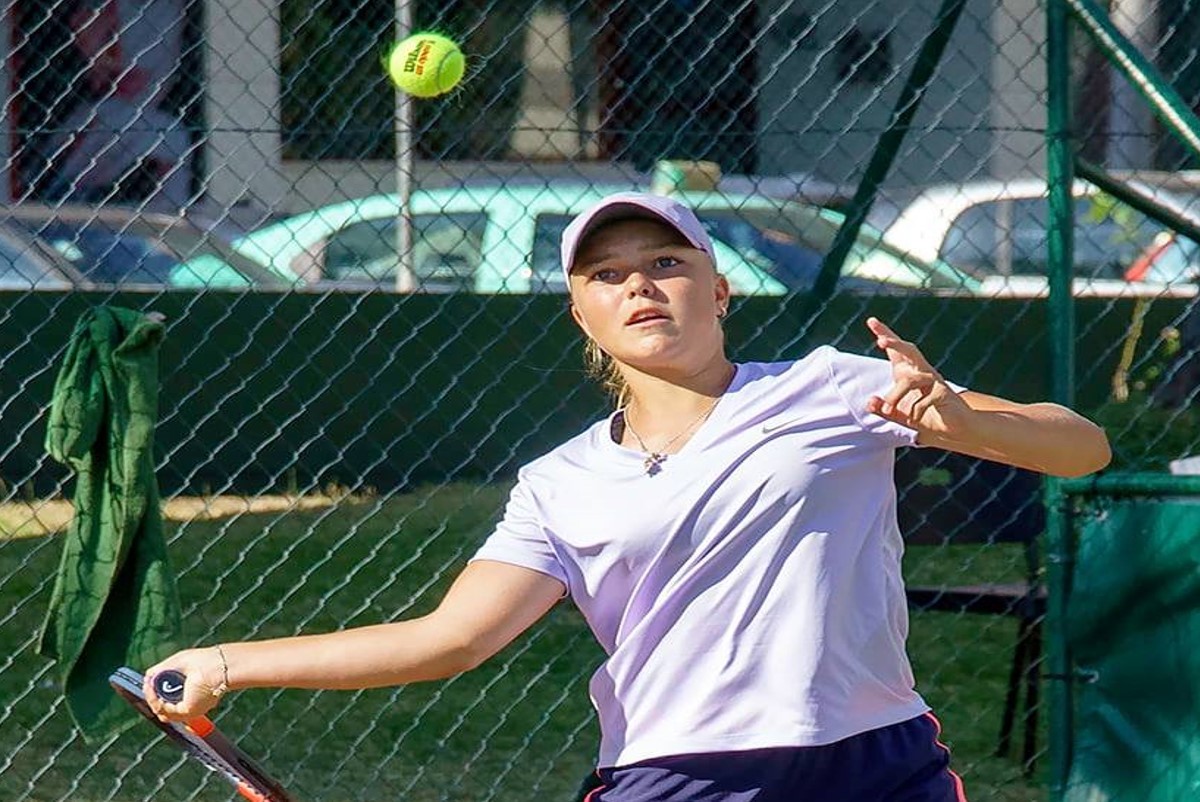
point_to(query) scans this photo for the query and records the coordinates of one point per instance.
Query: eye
(665, 262)
(606, 274)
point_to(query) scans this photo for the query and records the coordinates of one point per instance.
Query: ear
(722, 294)
(578, 318)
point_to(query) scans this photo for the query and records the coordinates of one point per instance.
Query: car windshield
(108, 255)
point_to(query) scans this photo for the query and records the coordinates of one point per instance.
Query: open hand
(919, 397)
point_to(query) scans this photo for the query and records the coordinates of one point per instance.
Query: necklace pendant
(653, 463)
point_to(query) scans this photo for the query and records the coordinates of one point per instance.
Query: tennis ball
(426, 64)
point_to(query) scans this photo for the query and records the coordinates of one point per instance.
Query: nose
(638, 284)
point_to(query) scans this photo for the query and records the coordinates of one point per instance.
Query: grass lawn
(519, 728)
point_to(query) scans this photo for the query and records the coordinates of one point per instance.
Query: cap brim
(612, 212)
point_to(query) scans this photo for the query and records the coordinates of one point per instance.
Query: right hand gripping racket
(199, 738)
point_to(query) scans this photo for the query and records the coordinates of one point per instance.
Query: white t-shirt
(749, 595)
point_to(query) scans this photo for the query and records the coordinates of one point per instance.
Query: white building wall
(6, 83)
(813, 122)
(243, 158)
(980, 117)
(1018, 100)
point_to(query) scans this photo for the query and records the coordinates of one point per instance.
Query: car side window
(447, 251)
(1008, 237)
(970, 242)
(362, 251)
(1024, 235)
(1109, 236)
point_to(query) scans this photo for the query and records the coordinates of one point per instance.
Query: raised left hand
(919, 397)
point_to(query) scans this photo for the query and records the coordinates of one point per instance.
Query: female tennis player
(729, 532)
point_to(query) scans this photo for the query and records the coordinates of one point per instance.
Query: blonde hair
(603, 369)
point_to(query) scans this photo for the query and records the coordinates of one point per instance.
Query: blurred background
(366, 328)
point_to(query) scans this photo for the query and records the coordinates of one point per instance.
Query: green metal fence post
(1060, 246)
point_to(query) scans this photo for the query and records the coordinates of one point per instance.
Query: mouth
(646, 317)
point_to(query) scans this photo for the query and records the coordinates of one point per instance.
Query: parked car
(503, 238)
(1171, 258)
(997, 230)
(26, 264)
(124, 248)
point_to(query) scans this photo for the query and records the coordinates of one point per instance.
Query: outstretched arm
(1043, 437)
(489, 604)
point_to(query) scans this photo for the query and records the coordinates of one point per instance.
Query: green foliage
(1146, 436)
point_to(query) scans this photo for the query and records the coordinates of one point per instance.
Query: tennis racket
(199, 738)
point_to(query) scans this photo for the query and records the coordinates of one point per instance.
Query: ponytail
(603, 368)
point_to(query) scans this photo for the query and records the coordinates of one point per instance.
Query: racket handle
(169, 685)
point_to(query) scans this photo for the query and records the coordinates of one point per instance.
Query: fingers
(917, 388)
(879, 328)
(898, 350)
(886, 340)
(904, 403)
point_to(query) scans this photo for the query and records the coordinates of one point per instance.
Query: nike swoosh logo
(774, 426)
(169, 688)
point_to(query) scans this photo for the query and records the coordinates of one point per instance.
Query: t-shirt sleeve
(857, 378)
(521, 539)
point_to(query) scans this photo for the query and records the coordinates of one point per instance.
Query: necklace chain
(655, 459)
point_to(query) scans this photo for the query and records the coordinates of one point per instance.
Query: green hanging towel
(114, 601)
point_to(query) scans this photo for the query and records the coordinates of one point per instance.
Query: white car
(996, 231)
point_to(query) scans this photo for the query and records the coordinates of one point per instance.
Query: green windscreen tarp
(1133, 622)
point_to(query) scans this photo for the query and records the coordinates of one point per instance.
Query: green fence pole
(886, 148)
(1166, 102)
(1060, 247)
(1133, 484)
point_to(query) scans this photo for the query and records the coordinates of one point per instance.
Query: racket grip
(169, 685)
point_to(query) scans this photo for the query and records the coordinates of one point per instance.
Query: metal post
(1061, 309)
(402, 123)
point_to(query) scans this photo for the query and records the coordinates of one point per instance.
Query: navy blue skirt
(905, 762)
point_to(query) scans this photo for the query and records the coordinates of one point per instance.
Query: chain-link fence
(366, 330)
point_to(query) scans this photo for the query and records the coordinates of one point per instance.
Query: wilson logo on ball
(415, 61)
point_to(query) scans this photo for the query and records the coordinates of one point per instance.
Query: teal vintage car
(503, 238)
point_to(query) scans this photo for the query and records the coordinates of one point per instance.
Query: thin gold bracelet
(221, 689)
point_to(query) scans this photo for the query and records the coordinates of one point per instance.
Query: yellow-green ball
(426, 65)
